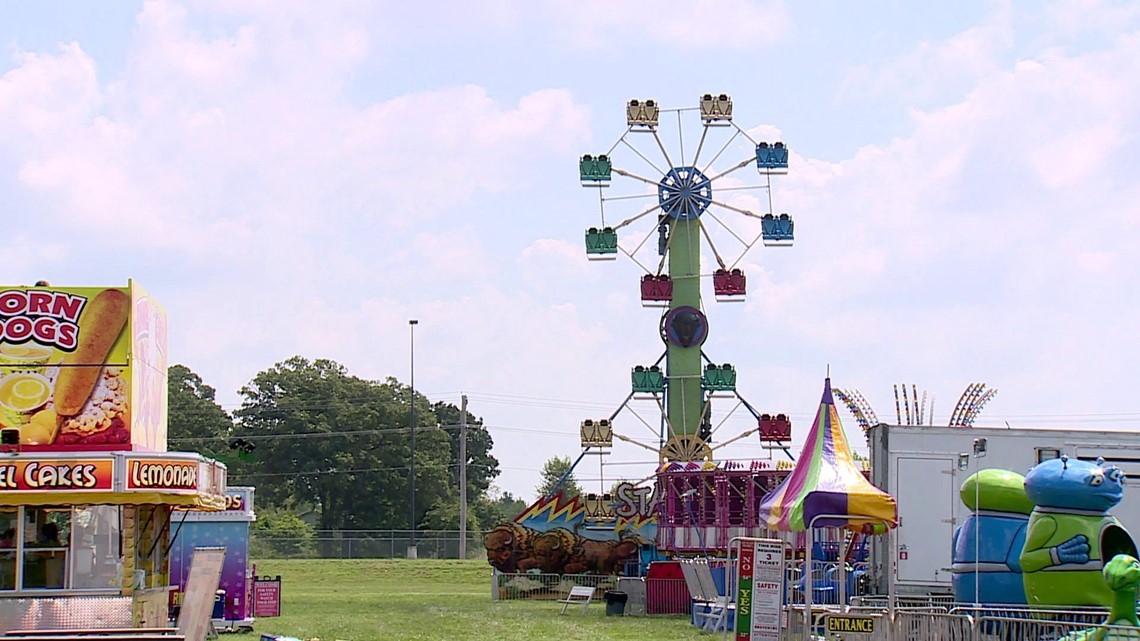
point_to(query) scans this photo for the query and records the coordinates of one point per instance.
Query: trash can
(615, 603)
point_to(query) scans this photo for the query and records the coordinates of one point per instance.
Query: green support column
(684, 363)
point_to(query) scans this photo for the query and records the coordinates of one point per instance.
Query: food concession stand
(87, 487)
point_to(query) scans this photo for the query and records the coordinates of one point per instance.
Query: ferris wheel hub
(684, 193)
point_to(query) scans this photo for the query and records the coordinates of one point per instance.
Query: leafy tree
(552, 471)
(444, 515)
(503, 507)
(279, 532)
(342, 443)
(197, 423)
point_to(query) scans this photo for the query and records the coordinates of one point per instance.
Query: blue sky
(290, 181)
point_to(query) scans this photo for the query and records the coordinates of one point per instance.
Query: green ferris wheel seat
(601, 244)
(719, 378)
(595, 171)
(648, 380)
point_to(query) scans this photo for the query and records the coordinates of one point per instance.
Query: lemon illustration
(41, 430)
(24, 392)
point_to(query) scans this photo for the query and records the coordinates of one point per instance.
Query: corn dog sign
(83, 368)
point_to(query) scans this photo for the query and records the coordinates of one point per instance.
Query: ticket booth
(229, 529)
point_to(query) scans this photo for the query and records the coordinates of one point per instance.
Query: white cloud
(687, 25)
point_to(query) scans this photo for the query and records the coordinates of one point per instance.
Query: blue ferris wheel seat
(772, 159)
(777, 231)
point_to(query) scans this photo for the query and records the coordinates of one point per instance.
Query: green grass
(360, 600)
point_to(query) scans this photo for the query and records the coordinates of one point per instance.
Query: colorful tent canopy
(827, 481)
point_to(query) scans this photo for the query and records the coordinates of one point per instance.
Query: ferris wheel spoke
(629, 197)
(734, 208)
(681, 136)
(739, 165)
(629, 221)
(747, 247)
(648, 181)
(661, 146)
(700, 146)
(619, 141)
(642, 156)
(634, 259)
(741, 188)
(718, 153)
(744, 133)
(644, 240)
(705, 232)
(729, 230)
(637, 443)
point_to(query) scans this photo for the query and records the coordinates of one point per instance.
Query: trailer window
(1047, 453)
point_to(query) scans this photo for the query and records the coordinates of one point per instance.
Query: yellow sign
(859, 625)
(83, 369)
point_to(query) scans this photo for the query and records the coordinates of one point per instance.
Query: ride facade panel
(988, 544)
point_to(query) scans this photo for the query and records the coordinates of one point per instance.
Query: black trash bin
(615, 603)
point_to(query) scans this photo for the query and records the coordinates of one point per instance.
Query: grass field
(360, 600)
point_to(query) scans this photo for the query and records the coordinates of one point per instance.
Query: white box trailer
(924, 467)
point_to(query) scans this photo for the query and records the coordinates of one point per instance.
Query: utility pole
(412, 438)
(463, 477)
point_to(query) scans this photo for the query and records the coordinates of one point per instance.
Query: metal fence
(366, 544)
(926, 623)
(547, 586)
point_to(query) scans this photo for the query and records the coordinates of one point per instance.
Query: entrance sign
(760, 592)
(850, 624)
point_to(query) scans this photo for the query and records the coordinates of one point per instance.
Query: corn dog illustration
(99, 327)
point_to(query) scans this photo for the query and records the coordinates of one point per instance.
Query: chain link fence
(366, 544)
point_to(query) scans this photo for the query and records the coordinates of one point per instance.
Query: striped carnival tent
(826, 481)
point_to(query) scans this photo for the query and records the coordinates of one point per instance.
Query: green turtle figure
(1070, 533)
(1122, 576)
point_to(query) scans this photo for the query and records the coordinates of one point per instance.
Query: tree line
(328, 450)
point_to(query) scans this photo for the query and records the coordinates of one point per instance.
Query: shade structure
(827, 481)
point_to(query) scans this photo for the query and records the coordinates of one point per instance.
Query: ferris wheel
(689, 178)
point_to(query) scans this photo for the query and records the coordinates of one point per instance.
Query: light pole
(412, 437)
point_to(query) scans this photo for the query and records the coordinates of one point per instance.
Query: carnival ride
(689, 197)
(970, 404)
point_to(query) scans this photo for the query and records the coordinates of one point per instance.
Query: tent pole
(809, 581)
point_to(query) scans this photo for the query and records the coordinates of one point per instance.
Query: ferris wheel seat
(772, 159)
(777, 231)
(656, 290)
(597, 433)
(595, 171)
(601, 244)
(729, 286)
(719, 378)
(775, 428)
(647, 380)
(642, 113)
(716, 109)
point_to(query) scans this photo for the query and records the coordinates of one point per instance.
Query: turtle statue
(1070, 533)
(1122, 576)
(988, 544)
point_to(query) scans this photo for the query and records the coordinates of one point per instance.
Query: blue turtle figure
(987, 546)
